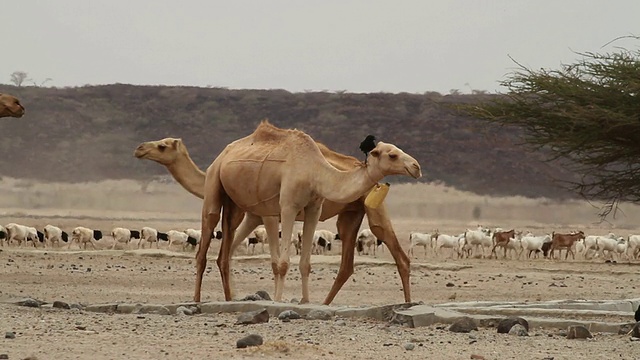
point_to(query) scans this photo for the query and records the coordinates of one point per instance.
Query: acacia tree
(587, 112)
(19, 77)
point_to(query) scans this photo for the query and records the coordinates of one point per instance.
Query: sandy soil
(116, 276)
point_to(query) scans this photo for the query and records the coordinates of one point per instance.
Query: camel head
(10, 106)
(164, 151)
(390, 160)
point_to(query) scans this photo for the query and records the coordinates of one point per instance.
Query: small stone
(316, 314)
(61, 305)
(578, 332)
(294, 301)
(450, 284)
(4, 356)
(477, 357)
(252, 297)
(518, 330)
(288, 315)
(152, 309)
(81, 327)
(463, 325)
(635, 331)
(10, 335)
(253, 317)
(409, 346)
(30, 303)
(250, 340)
(263, 294)
(183, 310)
(506, 324)
(340, 323)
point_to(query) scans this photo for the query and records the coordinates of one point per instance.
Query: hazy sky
(358, 46)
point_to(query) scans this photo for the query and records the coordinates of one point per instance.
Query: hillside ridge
(89, 133)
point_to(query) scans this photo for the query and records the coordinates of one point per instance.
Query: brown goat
(501, 238)
(564, 241)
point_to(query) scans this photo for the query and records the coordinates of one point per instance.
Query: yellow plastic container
(377, 195)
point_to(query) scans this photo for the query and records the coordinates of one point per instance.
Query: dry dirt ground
(116, 276)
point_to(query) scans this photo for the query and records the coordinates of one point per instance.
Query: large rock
(578, 332)
(505, 325)
(463, 325)
(253, 317)
(250, 340)
(102, 308)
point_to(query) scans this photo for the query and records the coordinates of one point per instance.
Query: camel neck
(187, 174)
(345, 186)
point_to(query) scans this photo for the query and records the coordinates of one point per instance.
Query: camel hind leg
(348, 224)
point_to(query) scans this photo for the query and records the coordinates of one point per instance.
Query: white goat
(607, 244)
(180, 238)
(532, 243)
(591, 243)
(150, 235)
(367, 239)
(54, 234)
(21, 233)
(420, 239)
(83, 236)
(447, 241)
(120, 235)
(633, 246)
(479, 238)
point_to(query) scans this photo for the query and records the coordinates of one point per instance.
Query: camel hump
(267, 132)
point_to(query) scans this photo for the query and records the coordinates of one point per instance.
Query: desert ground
(141, 276)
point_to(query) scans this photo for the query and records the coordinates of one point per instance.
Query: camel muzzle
(414, 171)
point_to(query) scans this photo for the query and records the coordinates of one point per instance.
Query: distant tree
(41, 83)
(587, 112)
(19, 77)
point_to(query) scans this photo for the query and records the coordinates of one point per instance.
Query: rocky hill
(89, 133)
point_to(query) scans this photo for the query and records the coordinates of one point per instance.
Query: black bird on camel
(368, 144)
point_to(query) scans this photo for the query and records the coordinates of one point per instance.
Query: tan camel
(10, 106)
(282, 172)
(173, 154)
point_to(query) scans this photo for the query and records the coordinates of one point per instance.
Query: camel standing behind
(173, 154)
(10, 106)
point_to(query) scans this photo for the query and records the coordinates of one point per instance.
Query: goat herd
(472, 243)
(515, 243)
(52, 236)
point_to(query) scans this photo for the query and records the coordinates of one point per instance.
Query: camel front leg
(288, 215)
(348, 224)
(271, 225)
(311, 218)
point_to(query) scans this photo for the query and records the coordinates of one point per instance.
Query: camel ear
(175, 143)
(375, 153)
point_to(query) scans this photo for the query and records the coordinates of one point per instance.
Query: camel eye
(393, 156)
(162, 147)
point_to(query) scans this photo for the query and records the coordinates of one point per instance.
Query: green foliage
(587, 113)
